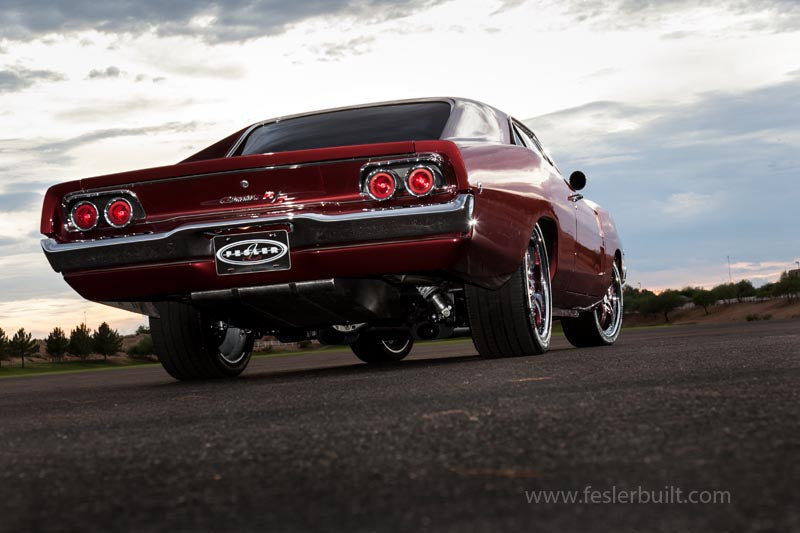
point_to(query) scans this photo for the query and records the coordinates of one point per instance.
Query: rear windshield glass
(381, 124)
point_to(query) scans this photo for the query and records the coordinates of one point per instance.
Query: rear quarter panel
(513, 190)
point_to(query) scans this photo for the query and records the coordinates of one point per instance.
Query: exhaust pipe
(428, 331)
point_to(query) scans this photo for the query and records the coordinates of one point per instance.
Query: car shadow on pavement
(356, 368)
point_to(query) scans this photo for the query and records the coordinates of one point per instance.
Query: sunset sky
(686, 119)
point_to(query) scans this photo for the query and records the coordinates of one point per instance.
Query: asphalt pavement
(443, 441)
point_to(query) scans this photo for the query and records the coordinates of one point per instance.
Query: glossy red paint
(151, 282)
(513, 188)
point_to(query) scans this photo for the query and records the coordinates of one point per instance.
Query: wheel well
(550, 241)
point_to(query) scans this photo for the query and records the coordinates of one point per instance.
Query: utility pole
(730, 277)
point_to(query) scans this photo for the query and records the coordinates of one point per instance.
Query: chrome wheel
(396, 346)
(233, 343)
(608, 314)
(540, 305)
(373, 349)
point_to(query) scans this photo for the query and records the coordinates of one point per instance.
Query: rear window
(381, 124)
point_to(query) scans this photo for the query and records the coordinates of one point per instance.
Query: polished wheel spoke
(609, 312)
(538, 291)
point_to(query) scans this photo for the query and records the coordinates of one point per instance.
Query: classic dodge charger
(370, 226)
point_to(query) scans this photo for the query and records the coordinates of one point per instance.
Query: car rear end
(266, 215)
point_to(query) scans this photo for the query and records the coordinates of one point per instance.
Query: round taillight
(381, 185)
(119, 212)
(84, 216)
(420, 181)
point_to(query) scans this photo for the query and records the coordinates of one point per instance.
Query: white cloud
(684, 205)
(632, 101)
(40, 315)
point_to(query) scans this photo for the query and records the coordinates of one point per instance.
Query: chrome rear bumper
(194, 241)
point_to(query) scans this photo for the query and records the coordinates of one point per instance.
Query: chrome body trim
(115, 193)
(69, 197)
(193, 241)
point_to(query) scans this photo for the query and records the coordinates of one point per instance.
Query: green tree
(80, 342)
(143, 330)
(3, 345)
(704, 299)
(56, 343)
(766, 291)
(690, 292)
(21, 345)
(726, 291)
(106, 341)
(788, 286)
(664, 303)
(744, 289)
(636, 300)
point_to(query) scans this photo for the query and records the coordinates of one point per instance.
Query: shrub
(142, 349)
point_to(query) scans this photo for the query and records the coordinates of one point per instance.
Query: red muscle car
(370, 226)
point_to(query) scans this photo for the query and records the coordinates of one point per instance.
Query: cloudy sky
(686, 119)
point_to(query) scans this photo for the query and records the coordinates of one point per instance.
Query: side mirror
(577, 180)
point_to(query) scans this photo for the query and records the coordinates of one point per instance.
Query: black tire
(601, 325)
(376, 350)
(190, 347)
(504, 322)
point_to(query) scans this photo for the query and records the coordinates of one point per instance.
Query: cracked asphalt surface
(443, 441)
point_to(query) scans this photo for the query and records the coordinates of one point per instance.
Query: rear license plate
(252, 252)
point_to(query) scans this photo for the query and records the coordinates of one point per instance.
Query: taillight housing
(417, 176)
(420, 181)
(84, 216)
(381, 184)
(118, 213)
(100, 211)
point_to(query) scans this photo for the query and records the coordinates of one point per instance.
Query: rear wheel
(515, 319)
(601, 325)
(190, 346)
(375, 350)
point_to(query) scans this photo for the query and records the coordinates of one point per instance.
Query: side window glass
(517, 137)
(531, 143)
(542, 148)
(525, 137)
(546, 153)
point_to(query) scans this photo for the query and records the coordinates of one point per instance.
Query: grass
(68, 367)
